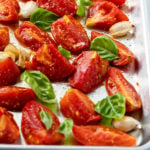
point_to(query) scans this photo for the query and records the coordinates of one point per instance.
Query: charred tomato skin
(103, 14)
(78, 107)
(31, 36)
(126, 55)
(9, 72)
(34, 130)
(90, 71)
(51, 62)
(68, 32)
(116, 83)
(8, 127)
(59, 7)
(14, 98)
(102, 136)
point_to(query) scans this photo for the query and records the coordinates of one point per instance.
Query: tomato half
(9, 72)
(90, 71)
(102, 136)
(116, 83)
(103, 14)
(14, 98)
(34, 131)
(69, 33)
(79, 107)
(8, 127)
(51, 62)
(126, 56)
(31, 36)
(4, 37)
(59, 7)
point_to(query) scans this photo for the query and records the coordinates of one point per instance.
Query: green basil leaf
(43, 18)
(64, 52)
(66, 127)
(105, 47)
(42, 87)
(46, 119)
(106, 121)
(88, 3)
(111, 106)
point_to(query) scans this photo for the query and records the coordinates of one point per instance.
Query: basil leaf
(88, 3)
(66, 127)
(111, 106)
(46, 119)
(42, 87)
(43, 18)
(64, 52)
(105, 47)
(106, 121)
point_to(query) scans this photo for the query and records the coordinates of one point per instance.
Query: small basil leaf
(106, 121)
(88, 3)
(46, 119)
(42, 87)
(105, 47)
(66, 127)
(111, 106)
(64, 52)
(43, 18)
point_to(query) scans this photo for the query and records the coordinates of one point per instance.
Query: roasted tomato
(102, 136)
(9, 72)
(118, 2)
(32, 36)
(8, 127)
(69, 33)
(116, 83)
(4, 37)
(79, 107)
(126, 56)
(103, 14)
(51, 62)
(14, 98)
(90, 71)
(59, 7)
(9, 10)
(34, 131)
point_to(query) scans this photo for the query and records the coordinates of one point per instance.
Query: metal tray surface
(137, 73)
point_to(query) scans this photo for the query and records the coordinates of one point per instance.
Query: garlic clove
(5, 55)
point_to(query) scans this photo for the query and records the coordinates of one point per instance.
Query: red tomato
(51, 62)
(90, 71)
(102, 136)
(69, 33)
(59, 7)
(34, 130)
(118, 2)
(4, 37)
(116, 83)
(126, 56)
(79, 107)
(8, 127)
(9, 72)
(9, 10)
(32, 36)
(103, 14)
(14, 98)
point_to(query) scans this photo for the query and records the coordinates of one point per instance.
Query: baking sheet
(136, 73)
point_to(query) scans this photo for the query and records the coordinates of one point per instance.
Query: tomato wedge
(116, 83)
(4, 37)
(102, 136)
(59, 7)
(51, 62)
(34, 130)
(31, 36)
(69, 33)
(90, 71)
(8, 127)
(126, 56)
(103, 14)
(79, 107)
